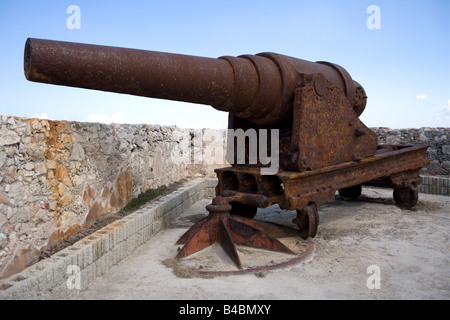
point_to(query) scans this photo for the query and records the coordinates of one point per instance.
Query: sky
(398, 50)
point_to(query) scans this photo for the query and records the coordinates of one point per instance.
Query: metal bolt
(320, 85)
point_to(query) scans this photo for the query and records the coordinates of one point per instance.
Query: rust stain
(60, 235)
(96, 210)
(110, 199)
(59, 141)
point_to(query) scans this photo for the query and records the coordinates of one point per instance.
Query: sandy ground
(409, 249)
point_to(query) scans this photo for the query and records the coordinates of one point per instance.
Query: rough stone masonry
(57, 176)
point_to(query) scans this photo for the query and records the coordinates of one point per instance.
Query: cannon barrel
(259, 88)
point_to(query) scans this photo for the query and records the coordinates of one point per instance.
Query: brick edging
(435, 185)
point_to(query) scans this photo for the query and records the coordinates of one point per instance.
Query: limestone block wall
(56, 176)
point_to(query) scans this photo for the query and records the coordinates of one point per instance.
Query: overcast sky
(398, 50)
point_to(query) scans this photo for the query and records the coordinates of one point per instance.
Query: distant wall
(438, 140)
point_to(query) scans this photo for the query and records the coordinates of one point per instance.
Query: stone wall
(438, 140)
(56, 176)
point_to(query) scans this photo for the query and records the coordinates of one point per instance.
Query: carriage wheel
(307, 220)
(406, 197)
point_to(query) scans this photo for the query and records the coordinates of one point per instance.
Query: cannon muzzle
(259, 88)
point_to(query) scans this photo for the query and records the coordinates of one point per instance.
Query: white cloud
(146, 120)
(421, 96)
(118, 117)
(40, 116)
(443, 112)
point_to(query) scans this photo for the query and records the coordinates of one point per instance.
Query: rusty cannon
(308, 110)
